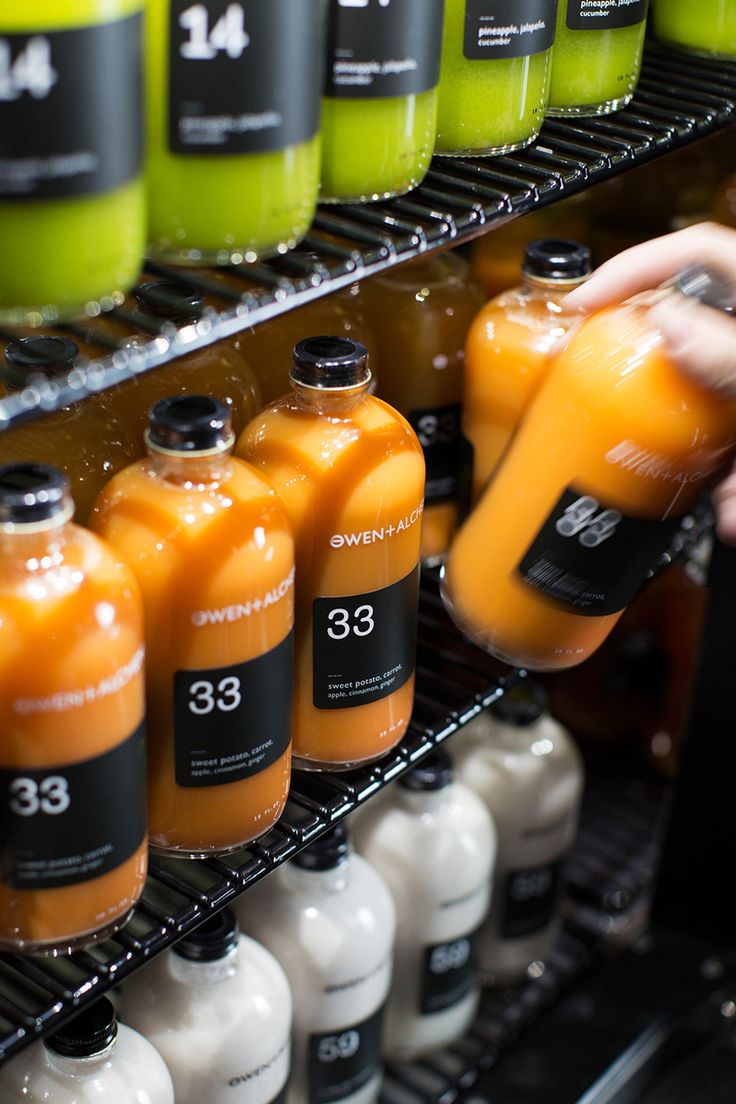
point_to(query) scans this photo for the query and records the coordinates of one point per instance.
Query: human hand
(700, 340)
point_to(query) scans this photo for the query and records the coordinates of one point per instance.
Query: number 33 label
(205, 696)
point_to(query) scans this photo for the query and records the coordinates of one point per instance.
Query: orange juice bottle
(72, 756)
(612, 453)
(85, 439)
(420, 314)
(508, 344)
(349, 470)
(220, 370)
(213, 552)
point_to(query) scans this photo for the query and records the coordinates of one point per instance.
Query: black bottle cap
(521, 706)
(327, 852)
(46, 355)
(211, 940)
(189, 423)
(31, 492)
(709, 285)
(433, 773)
(175, 303)
(556, 259)
(330, 362)
(91, 1032)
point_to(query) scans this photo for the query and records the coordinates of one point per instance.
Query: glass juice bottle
(72, 763)
(217, 1007)
(379, 115)
(349, 470)
(495, 74)
(434, 843)
(233, 126)
(528, 773)
(507, 348)
(213, 552)
(219, 370)
(329, 919)
(420, 314)
(85, 439)
(707, 28)
(71, 188)
(92, 1060)
(597, 56)
(615, 448)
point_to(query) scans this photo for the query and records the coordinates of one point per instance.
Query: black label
(593, 559)
(602, 15)
(244, 76)
(380, 48)
(530, 900)
(508, 28)
(447, 454)
(448, 974)
(341, 1062)
(61, 825)
(232, 722)
(71, 104)
(364, 645)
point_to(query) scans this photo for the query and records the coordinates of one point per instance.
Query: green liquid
(63, 257)
(594, 72)
(375, 148)
(487, 106)
(705, 26)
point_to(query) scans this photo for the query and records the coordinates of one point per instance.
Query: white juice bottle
(329, 919)
(218, 1008)
(434, 843)
(91, 1060)
(528, 772)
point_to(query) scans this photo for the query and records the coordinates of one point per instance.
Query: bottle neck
(552, 288)
(329, 400)
(38, 546)
(80, 1067)
(193, 472)
(204, 973)
(423, 801)
(335, 880)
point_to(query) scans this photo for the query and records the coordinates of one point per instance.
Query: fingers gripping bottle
(527, 772)
(508, 344)
(92, 1060)
(72, 760)
(611, 455)
(213, 552)
(350, 472)
(434, 843)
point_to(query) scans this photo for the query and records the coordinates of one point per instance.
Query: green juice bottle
(379, 115)
(72, 218)
(706, 27)
(597, 55)
(233, 126)
(494, 79)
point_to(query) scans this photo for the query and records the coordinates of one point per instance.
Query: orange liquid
(66, 627)
(420, 313)
(614, 421)
(342, 466)
(203, 535)
(506, 358)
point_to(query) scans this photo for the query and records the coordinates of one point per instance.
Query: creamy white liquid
(223, 1026)
(531, 780)
(128, 1072)
(333, 933)
(436, 851)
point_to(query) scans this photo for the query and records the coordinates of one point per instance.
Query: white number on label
(50, 796)
(580, 517)
(228, 34)
(332, 1047)
(432, 430)
(340, 626)
(531, 884)
(203, 700)
(449, 957)
(31, 71)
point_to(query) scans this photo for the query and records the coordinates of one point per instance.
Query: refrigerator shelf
(455, 681)
(679, 100)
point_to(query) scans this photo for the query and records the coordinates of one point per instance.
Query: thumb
(700, 340)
